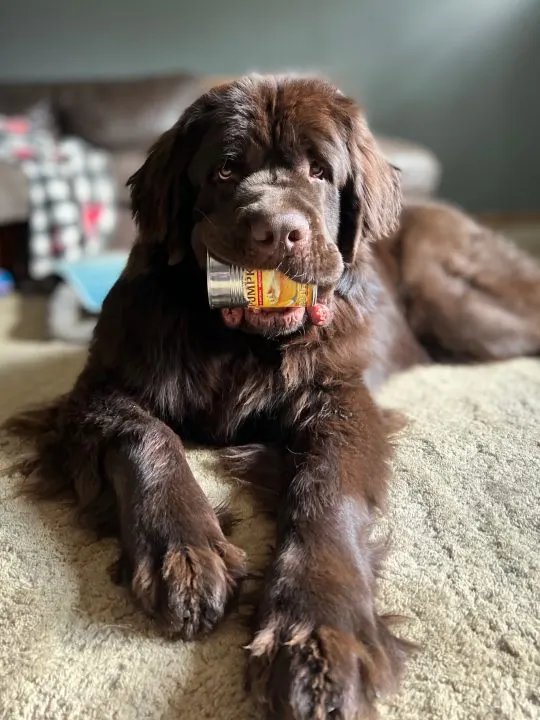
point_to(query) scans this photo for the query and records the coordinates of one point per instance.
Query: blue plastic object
(6, 282)
(91, 278)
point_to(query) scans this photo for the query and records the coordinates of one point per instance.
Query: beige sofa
(124, 117)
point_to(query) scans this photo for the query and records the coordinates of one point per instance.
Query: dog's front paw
(322, 673)
(187, 588)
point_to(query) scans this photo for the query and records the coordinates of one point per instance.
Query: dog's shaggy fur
(398, 288)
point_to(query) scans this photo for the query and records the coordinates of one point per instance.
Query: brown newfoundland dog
(273, 172)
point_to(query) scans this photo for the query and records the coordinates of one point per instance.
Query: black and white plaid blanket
(72, 193)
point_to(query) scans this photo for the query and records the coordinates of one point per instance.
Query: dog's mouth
(265, 320)
(276, 321)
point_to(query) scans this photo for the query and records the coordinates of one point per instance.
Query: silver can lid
(224, 284)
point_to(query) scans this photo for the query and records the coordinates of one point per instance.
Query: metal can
(232, 286)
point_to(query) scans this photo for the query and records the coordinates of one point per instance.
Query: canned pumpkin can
(232, 286)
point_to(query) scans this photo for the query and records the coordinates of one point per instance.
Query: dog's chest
(217, 393)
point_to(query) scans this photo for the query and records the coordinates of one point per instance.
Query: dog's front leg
(321, 650)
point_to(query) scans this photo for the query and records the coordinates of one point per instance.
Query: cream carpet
(464, 568)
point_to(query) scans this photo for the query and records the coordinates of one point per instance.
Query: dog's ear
(162, 196)
(371, 197)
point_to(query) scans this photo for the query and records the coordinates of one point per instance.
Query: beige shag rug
(464, 517)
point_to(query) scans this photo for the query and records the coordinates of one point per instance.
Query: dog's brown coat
(162, 366)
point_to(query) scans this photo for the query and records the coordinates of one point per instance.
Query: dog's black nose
(285, 228)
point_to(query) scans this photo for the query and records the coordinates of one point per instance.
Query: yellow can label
(270, 288)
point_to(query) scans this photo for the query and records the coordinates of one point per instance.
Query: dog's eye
(316, 171)
(224, 173)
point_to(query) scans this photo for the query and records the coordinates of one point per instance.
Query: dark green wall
(462, 76)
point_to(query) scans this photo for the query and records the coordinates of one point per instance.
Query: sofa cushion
(124, 232)
(420, 174)
(126, 114)
(420, 169)
(32, 101)
(113, 114)
(123, 164)
(14, 201)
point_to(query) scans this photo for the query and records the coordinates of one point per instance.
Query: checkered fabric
(72, 193)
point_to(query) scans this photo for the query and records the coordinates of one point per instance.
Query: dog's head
(268, 172)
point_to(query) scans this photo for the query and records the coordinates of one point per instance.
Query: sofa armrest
(420, 168)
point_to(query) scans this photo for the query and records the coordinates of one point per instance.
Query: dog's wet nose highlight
(288, 229)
